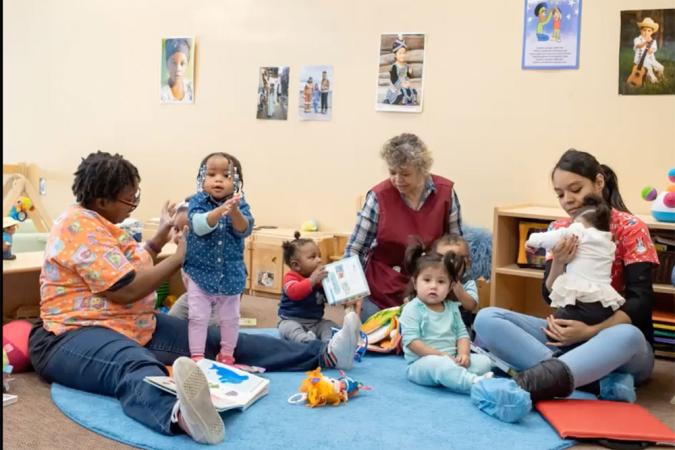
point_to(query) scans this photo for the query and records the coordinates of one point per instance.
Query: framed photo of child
(273, 93)
(400, 74)
(551, 34)
(316, 93)
(177, 70)
(647, 52)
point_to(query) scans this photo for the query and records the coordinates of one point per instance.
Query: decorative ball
(15, 343)
(669, 200)
(660, 209)
(671, 175)
(649, 193)
(671, 188)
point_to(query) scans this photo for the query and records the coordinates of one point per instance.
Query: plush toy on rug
(319, 390)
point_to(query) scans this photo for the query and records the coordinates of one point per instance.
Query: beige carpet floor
(35, 423)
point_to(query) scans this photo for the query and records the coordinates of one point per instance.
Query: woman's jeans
(103, 361)
(368, 308)
(519, 340)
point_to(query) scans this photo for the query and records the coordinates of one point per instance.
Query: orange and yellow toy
(20, 210)
(319, 390)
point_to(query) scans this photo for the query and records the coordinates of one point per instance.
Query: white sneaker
(343, 345)
(196, 410)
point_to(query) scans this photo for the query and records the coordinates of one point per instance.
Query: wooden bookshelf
(519, 289)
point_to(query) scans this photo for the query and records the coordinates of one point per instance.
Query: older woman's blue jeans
(368, 308)
(102, 361)
(519, 340)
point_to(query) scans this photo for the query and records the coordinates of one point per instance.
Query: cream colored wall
(83, 75)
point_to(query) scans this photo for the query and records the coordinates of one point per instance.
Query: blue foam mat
(395, 414)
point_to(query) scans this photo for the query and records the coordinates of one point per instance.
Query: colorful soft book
(345, 281)
(231, 388)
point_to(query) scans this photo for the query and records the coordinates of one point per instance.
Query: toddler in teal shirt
(436, 344)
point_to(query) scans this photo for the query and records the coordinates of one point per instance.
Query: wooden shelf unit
(519, 289)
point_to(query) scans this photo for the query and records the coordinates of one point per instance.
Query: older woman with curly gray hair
(411, 202)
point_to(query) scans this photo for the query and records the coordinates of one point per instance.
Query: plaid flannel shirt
(363, 238)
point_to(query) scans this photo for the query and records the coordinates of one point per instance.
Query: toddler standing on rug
(436, 344)
(584, 291)
(220, 220)
(302, 302)
(465, 291)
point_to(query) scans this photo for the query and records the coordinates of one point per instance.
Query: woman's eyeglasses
(134, 203)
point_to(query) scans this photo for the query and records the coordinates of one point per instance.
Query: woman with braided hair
(98, 330)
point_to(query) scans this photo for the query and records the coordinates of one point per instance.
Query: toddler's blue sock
(619, 387)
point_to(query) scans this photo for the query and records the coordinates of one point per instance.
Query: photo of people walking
(273, 93)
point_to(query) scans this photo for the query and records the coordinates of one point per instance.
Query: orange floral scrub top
(85, 256)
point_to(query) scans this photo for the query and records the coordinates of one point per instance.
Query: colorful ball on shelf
(669, 200)
(671, 188)
(671, 174)
(649, 193)
(15, 343)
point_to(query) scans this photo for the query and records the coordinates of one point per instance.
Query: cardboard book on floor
(605, 421)
(231, 388)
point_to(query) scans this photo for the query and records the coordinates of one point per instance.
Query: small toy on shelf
(9, 225)
(6, 371)
(663, 204)
(309, 225)
(20, 210)
(319, 390)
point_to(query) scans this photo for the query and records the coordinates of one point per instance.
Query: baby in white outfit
(584, 291)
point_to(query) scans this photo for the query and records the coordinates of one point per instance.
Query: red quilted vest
(397, 222)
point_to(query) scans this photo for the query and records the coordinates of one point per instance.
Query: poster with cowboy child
(551, 34)
(647, 52)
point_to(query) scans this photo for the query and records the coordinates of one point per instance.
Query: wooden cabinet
(267, 267)
(519, 289)
(21, 286)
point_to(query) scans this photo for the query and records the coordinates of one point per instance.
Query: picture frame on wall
(647, 52)
(551, 31)
(177, 70)
(273, 93)
(316, 93)
(400, 79)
